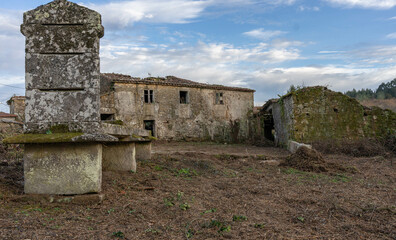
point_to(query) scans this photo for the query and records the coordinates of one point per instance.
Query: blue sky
(266, 45)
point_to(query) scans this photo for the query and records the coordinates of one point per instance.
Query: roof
(168, 81)
(7, 115)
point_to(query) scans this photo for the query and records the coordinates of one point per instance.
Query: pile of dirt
(306, 159)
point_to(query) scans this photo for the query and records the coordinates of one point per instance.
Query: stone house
(17, 107)
(314, 114)
(178, 109)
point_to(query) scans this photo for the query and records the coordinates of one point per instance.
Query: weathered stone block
(143, 151)
(66, 168)
(119, 157)
(60, 39)
(62, 106)
(63, 12)
(62, 71)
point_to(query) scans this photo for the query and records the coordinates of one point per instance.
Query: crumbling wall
(317, 113)
(200, 119)
(283, 114)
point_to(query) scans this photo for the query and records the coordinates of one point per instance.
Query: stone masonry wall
(200, 119)
(317, 114)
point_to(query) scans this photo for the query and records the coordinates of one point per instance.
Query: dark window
(184, 97)
(106, 117)
(219, 98)
(150, 125)
(148, 96)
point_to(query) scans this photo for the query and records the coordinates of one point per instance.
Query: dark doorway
(269, 128)
(150, 125)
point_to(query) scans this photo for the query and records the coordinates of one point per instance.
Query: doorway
(150, 126)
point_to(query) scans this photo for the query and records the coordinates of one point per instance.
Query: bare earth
(215, 191)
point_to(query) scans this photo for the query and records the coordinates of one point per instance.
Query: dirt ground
(215, 191)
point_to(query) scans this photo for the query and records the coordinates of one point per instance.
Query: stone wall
(200, 119)
(317, 113)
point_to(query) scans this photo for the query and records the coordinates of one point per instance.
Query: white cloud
(392, 18)
(122, 14)
(372, 4)
(305, 8)
(11, 42)
(391, 35)
(264, 35)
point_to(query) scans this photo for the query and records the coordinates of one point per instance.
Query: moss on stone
(42, 138)
(60, 128)
(320, 114)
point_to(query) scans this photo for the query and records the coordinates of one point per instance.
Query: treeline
(384, 91)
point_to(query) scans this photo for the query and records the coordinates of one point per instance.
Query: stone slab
(143, 151)
(119, 157)
(116, 130)
(63, 169)
(71, 137)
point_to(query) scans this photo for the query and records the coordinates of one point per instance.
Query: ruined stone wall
(17, 107)
(283, 115)
(200, 119)
(317, 114)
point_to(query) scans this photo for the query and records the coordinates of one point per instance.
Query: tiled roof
(7, 115)
(168, 81)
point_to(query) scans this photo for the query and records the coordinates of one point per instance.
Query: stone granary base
(143, 151)
(119, 156)
(63, 168)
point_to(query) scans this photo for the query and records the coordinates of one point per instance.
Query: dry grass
(209, 191)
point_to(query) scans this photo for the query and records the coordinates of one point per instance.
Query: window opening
(184, 97)
(219, 98)
(148, 96)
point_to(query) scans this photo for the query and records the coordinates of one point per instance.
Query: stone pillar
(67, 168)
(119, 156)
(62, 67)
(62, 96)
(143, 151)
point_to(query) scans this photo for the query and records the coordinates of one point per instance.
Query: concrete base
(143, 151)
(119, 156)
(63, 168)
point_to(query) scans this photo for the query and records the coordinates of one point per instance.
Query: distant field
(382, 103)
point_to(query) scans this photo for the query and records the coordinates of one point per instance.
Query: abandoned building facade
(172, 108)
(177, 109)
(315, 114)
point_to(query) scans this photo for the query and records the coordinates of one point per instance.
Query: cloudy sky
(266, 45)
